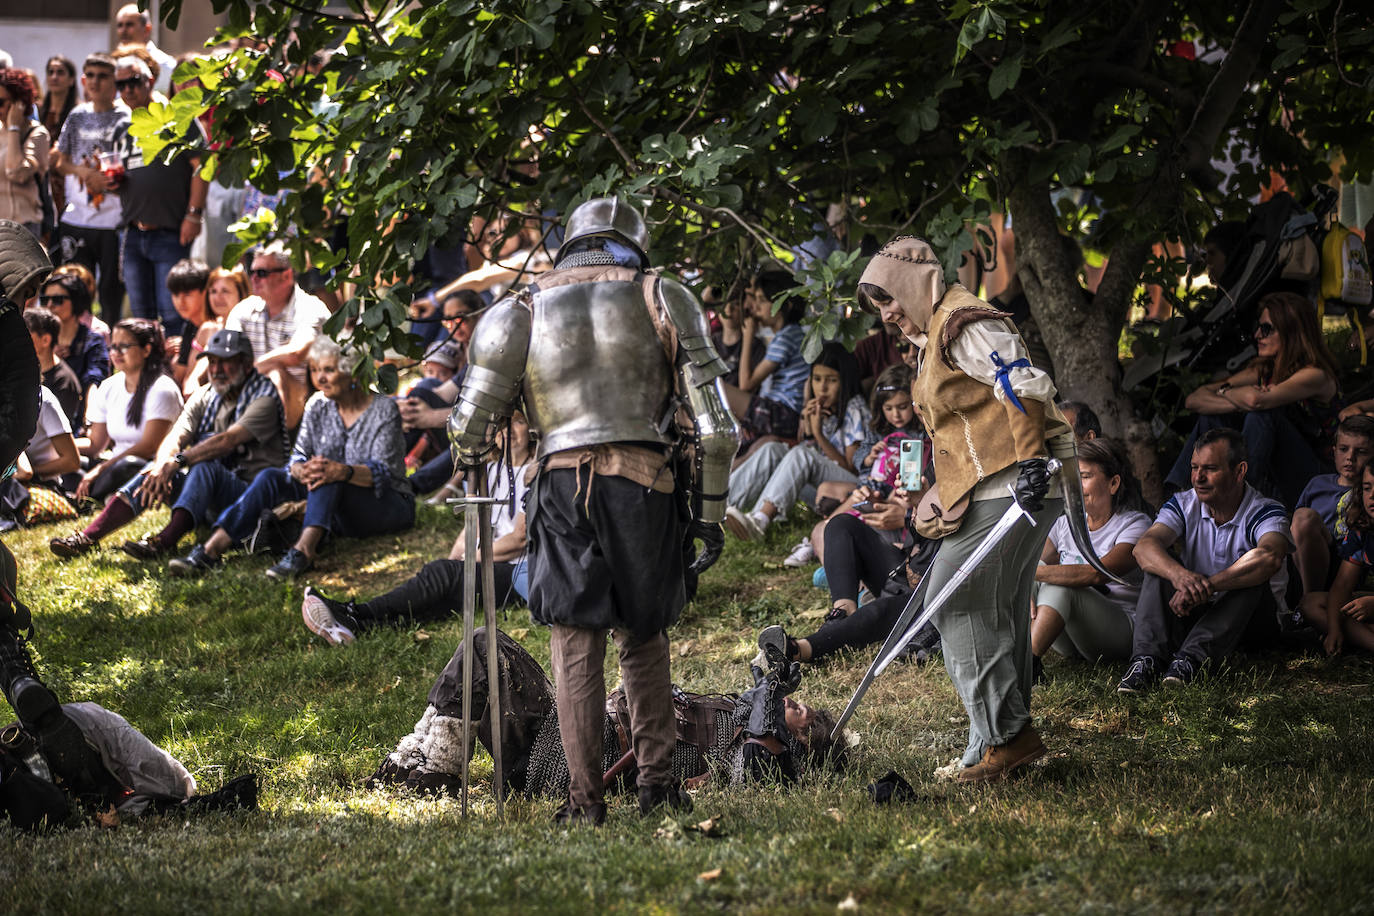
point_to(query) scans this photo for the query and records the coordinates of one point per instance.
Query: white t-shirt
(110, 405)
(1122, 528)
(498, 485)
(51, 422)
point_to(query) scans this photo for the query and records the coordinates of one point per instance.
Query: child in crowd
(1340, 615)
(833, 422)
(1318, 523)
(187, 281)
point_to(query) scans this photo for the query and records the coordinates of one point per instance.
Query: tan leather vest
(974, 434)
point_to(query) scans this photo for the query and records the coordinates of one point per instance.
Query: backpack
(1345, 273)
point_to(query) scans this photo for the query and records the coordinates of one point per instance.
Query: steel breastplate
(596, 371)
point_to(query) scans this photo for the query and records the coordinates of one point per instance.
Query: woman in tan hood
(988, 412)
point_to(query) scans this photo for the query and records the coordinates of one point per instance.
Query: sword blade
(470, 526)
(489, 621)
(913, 606)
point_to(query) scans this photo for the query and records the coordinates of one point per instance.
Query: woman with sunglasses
(1286, 402)
(132, 411)
(83, 350)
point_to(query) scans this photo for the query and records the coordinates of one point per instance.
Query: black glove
(712, 538)
(1032, 484)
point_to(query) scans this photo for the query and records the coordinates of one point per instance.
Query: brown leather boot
(999, 761)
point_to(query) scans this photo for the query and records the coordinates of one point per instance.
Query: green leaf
(1005, 75)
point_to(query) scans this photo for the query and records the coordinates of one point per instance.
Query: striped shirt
(1208, 548)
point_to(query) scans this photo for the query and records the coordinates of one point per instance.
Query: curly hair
(20, 88)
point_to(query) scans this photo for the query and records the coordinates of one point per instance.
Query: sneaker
(147, 547)
(322, 615)
(773, 646)
(73, 545)
(291, 566)
(195, 563)
(743, 525)
(802, 555)
(1140, 676)
(1180, 673)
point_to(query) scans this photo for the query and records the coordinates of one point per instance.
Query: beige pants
(578, 657)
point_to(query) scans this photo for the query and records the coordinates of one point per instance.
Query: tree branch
(335, 17)
(601, 125)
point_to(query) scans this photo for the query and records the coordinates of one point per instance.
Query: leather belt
(149, 227)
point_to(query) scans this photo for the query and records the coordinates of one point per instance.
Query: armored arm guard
(496, 365)
(716, 436)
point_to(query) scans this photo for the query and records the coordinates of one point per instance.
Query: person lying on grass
(436, 591)
(762, 733)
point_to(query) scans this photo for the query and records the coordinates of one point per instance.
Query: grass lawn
(1248, 792)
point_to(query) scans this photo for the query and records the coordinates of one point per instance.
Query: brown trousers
(578, 657)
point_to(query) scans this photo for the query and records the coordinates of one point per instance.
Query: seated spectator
(226, 289)
(187, 281)
(281, 321)
(347, 464)
(1318, 521)
(131, 411)
(877, 353)
(440, 364)
(1220, 246)
(877, 459)
(1228, 581)
(833, 424)
(46, 470)
(83, 273)
(58, 377)
(229, 431)
(760, 734)
(773, 409)
(1079, 612)
(436, 591)
(1285, 401)
(1342, 614)
(84, 351)
(729, 340)
(1084, 421)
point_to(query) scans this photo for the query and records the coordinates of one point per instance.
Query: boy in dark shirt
(1317, 520)
(58, 377)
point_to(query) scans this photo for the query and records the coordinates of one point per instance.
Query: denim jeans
(208, 489)
(1280, 460)
(340, 508)
(147, 258)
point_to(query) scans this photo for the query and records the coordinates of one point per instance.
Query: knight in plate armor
(616, 370)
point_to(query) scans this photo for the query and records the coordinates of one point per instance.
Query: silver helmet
(607, 217)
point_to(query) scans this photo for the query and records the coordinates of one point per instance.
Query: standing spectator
(281, 321)
(131, 412)
(877, 352)
(82, 349)
(228, 432)
(348, 465)
(88, 230)
(133, 26)
(1228, 580)
(58, 377)
(23, 153)
(163, 207)
(59, 99)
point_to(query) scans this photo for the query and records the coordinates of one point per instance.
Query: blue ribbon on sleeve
(1004, 373)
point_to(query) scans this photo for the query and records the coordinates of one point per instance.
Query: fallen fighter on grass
(761, 733)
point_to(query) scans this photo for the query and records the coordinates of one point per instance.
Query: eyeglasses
(1263, 330)
(262, 273)
(122, 347)
(132, 82)
(53, 300)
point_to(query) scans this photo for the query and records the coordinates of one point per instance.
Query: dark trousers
(98, 251)
(856, 553)
(433, 593)
(1211, 632)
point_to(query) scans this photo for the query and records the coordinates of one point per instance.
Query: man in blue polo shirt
(1229, 577)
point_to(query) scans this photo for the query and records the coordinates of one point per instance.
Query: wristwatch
(180, 459)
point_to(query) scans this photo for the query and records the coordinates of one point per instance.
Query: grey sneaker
(195, 563)
(292, 565)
